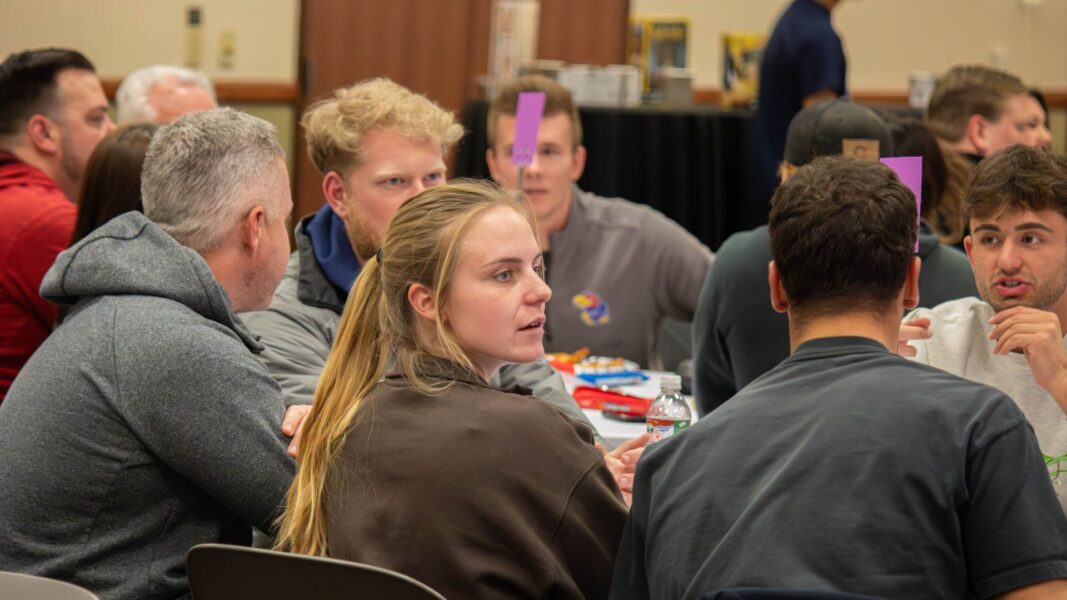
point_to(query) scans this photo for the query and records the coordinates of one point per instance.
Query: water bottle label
(661, 429)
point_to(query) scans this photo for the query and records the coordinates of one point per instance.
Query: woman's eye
(503, 276)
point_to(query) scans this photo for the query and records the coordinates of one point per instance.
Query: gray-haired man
(162, 93)
(145, 424)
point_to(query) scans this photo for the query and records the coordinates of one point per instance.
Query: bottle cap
(671, 381)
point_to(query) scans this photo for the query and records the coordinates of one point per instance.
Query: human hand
(1039, 336)
(622, 462)
(293, 426)
(914, 329)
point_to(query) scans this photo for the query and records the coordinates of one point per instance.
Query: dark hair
(112, 181)
(558, 99)
(1018, 178)
(842, 235)
(28, 84)
(942, 192)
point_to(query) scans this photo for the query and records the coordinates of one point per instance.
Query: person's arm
(820, 96)
(713, 379)
(822, 68)
(1046, 590)
(204, 407)
(545, 383)
(629, 579)
(38, 245)
(1013, 529)
(912, 329)
(1039, 336)
(681, 266)
(297, 341)
(588, 532)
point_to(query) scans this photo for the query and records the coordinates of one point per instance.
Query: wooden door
(439, 48)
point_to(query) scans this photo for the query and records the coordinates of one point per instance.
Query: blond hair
(335, 127)
(558, 100)
(421, 246)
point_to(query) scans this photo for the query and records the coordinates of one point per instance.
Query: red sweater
(36, 222)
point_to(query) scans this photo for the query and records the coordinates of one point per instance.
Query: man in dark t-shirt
(803, 63)
(847, 468)
(737, 335)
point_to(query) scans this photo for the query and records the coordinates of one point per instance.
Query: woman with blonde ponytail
(411, 459)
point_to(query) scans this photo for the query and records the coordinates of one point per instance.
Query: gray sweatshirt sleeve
(297, 342)
(682, 264)
(212, 413)
(546, 385)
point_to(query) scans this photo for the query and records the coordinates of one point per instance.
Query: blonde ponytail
(355, 364)
(378, 324)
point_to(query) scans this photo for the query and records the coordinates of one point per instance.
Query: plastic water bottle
(669, 413)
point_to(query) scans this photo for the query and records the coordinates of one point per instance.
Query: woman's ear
(421, 299)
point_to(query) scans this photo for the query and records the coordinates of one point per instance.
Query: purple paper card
(910, 171)
(528, 114)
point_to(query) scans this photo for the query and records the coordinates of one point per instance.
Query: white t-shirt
(960, 345)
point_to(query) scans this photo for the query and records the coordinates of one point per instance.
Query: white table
(614, 431)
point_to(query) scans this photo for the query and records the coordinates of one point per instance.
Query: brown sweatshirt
(477, 492)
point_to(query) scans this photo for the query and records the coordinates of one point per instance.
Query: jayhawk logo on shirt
(592, 307)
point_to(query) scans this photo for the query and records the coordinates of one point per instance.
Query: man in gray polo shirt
(616, 268)
(847, 468)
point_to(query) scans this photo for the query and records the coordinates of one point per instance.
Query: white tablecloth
(614, 431)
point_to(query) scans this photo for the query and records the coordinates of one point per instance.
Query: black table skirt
(689, 164)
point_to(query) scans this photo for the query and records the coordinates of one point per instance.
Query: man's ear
(911, 283)
(975, 134)
(421, 300)
(333, 188)
(968, 247)
(252, 227)
(779, 299)
(43, 134)
(579, 163)
(490, 161)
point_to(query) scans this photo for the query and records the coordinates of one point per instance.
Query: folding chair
(30, 587)
(221, 572)
(780, 594)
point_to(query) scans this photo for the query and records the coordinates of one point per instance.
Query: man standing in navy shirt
(803, 63)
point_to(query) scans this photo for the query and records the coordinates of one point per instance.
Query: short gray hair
(203, 172)
(131, 99)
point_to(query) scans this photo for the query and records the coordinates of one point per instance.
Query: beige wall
(885, 39)
(121, 35)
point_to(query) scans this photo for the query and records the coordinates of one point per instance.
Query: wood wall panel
(583, 31)
(439, 48)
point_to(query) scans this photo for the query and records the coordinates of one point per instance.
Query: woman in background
(945, 175)
(431, 471)
(112, 181)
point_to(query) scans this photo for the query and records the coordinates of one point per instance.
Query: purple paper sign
(528, 114)
(910, 171)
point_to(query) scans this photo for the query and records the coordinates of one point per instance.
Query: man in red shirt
(53, 112)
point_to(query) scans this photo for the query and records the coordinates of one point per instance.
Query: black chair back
(780, 594)
(221, 572)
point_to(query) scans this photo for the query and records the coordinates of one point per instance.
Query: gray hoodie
(142, 426)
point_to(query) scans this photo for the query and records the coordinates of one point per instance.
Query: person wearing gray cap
(737, 335)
